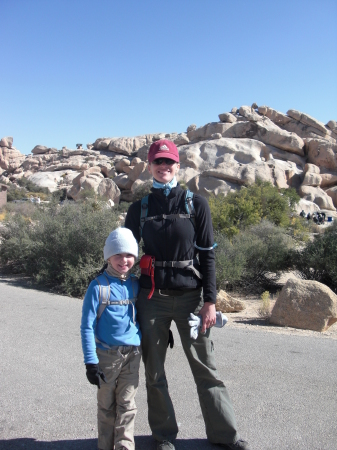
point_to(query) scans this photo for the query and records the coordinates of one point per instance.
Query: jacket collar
(174, 192)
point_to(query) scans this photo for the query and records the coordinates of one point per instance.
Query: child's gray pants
(116, 407)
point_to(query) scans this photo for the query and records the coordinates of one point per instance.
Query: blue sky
(76, 70)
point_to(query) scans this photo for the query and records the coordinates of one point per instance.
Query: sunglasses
(160, 161)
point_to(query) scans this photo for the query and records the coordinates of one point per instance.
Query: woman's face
(122, 262)
(163, 169)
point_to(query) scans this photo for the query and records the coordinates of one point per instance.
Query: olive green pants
(155, 316)
(116, 407)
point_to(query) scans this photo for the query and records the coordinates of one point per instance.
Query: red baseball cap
(163, 149)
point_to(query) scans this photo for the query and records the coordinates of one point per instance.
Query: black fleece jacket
(173, 240)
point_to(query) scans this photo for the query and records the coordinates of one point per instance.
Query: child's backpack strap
(104, 301)
(104, 296)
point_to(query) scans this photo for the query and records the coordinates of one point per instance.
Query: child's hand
(94, 375)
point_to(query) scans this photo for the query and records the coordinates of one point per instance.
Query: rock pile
(289, 150)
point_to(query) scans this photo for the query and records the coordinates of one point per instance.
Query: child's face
(122, 262)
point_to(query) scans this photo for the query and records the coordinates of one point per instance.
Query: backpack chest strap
(104, 299)
(188, 264)
(129, 301)
(167, 216)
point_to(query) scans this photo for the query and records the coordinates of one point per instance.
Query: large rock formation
(248, 143)
(308, 305)
(10, 158)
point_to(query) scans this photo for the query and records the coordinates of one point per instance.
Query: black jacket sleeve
(205, 240)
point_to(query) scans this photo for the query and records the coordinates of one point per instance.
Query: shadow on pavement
(32, 444)
(26, 283)
(142, 443)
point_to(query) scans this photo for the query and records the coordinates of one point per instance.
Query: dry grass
(264, 309)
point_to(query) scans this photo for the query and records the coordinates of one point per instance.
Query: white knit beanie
(120, 240)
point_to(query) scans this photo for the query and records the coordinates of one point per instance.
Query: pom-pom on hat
(163, 149)
(120, 240)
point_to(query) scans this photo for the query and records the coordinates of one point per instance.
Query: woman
(175, 230)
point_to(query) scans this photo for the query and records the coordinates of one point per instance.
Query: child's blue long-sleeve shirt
(115, 326)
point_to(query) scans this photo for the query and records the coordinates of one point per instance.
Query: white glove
(195, 322)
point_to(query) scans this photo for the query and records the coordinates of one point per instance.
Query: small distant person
(308, 216)
(302, 213)
(111, 342)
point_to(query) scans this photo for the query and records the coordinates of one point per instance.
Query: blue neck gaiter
(165, 186)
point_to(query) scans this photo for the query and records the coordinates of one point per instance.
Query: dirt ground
(249, 318)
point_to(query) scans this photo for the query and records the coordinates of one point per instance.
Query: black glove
(170, 341)
(94, 374)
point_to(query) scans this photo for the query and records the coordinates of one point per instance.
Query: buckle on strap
(167, 263)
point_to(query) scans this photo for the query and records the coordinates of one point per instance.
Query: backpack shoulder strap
(104, 294)
(191, 210)
(144, 208)
(189, 206)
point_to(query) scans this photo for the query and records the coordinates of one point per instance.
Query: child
(111, 342)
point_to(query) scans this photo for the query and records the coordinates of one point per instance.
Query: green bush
(248, 206)
(14, 193)
(318, 259)
(30, 186)
(143, 191)
(59, 246)
(254, 258)
(27, 188)
(26, 209)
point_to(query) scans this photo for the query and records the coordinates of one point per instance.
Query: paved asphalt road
(284, 388)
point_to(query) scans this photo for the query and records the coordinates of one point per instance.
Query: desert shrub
(31, 187)
(264, 308)
(143, 190)
(59, 246)
(26, 209)
(300, 229)
(254, 258)
(261, 201)
(26, 188)
(88, 192)
(230, 262)
(15, 193)
(318, 259)
(59, 195)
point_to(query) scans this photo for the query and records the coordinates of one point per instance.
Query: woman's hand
(207, 313)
